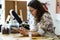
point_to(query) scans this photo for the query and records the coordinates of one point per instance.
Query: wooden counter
(20, 37)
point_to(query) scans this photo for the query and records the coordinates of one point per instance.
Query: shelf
(15, 0)
(17, 5)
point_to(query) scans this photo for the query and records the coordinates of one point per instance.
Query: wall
(2, 12)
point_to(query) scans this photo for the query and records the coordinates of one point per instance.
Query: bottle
(30, 35)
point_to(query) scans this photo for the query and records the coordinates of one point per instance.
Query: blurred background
(52, 5)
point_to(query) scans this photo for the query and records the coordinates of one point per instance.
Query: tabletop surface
(20, 37)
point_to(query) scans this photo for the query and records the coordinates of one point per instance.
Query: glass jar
(5, 29)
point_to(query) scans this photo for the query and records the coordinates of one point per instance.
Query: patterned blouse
(45, 25)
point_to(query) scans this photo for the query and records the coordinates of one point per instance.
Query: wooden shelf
(17, 5)
(15, 0)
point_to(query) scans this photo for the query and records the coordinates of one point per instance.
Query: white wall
(2, 12)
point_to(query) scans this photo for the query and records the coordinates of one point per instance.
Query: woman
(43, 21)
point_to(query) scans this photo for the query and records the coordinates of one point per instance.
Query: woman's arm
(25, 32)
(35, 33)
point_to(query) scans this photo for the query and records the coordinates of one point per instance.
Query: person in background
(43, 24)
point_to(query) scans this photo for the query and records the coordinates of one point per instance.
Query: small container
(30, 35)
(5, 29)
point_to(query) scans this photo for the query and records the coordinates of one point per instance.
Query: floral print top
(45, 25)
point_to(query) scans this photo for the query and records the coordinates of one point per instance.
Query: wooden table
(20, 37)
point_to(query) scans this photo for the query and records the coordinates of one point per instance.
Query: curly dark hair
(40, 10)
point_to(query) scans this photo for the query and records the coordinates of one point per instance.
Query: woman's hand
(24, 31)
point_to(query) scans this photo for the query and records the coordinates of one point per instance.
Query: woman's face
(33, 11)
